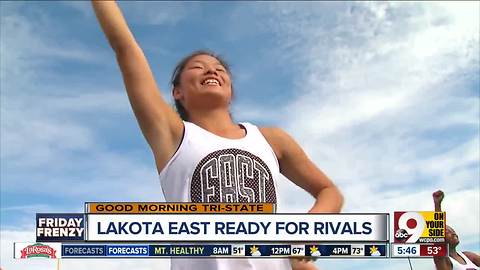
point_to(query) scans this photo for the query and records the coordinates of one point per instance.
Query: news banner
(159, 230)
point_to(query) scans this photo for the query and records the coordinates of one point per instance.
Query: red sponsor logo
(38, 250)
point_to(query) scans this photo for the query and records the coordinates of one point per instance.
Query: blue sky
(384, 97)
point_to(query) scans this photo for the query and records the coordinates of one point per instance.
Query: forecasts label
(80, 250)
(127, 250)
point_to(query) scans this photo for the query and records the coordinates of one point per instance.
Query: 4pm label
(419, 227)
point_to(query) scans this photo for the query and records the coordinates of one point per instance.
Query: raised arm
(441, 263)
(160, 124)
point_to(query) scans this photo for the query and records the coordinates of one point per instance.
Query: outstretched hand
(438, 197)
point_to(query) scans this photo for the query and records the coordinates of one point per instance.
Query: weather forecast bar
(118, 250)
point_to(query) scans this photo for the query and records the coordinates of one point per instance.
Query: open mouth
(211, 81)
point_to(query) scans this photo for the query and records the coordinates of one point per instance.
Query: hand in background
(437, 200)
(438, 196)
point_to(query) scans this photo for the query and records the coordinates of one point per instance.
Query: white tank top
(210, 168)
(468, 266)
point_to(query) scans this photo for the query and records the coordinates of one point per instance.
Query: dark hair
(177, 72)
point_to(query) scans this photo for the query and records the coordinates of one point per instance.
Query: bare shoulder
(475, 258)
(469, 253)
(273, 133)
(279, 140)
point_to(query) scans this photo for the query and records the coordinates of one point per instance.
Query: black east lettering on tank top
(232, 175)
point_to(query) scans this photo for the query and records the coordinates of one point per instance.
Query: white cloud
(84, 7)
(155, 13)
(446, 164)
(388, 105)
(50, 131)
(54, 122)
(252, 113)
(27, 46)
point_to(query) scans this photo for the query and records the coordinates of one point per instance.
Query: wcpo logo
(38, 250)
(419, 227)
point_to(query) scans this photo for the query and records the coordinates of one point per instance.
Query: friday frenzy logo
(419, 227)
(57, 227)
(232, 175)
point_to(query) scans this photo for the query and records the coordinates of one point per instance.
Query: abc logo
(401, 235)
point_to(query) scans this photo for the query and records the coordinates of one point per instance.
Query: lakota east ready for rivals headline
(234, 227)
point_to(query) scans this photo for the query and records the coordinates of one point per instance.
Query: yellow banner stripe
(158, 207)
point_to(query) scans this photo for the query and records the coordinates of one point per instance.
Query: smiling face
(451, 237)
(202, 81)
